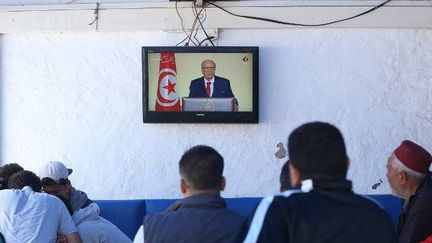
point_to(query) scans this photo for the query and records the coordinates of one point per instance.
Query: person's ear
(294, 176)
(347, 162)
(222, 183)
(403, 178)
(183, 187)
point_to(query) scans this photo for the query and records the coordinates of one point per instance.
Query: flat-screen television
(200, 84)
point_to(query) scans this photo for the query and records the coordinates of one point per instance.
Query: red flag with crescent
(167, 97)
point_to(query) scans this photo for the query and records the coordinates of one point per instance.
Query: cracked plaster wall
(76, 97)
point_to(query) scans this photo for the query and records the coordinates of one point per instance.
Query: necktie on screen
(208, 89)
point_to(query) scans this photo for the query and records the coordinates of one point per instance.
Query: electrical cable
(198, 16)
(203, 29)
(209, 39)
(182, 41)
(194, 27)
(299, 24)
(182, 26)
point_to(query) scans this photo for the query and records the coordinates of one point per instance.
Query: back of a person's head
(6, 171)
(202, 167)
(318, 151)
(25, 178)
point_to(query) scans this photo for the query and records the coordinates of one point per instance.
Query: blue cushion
(245, 206)
(127, 215)
(392, 205)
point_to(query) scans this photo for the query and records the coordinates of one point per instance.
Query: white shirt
(95, 229)
(27, 216)
(139, 236)
(211, 85)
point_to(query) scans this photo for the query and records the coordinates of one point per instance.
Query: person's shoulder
(45, 200)
(159, 220)
(10, 192)
(289, 196)
(161, 216)
(173, 213)
(426, 193)
(423, 200)
(50, 199)
(221, 79)
(369, 206)
(197, 80)
(235, 217)
(367, 201)
(79, 199)
(8, 195)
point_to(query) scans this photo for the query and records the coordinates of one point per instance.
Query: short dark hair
(317, 150)
(46, 181)
(25, 178)
(284, 178)
(202, 167)
(6, 171)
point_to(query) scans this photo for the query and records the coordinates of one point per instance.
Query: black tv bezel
(200, 117)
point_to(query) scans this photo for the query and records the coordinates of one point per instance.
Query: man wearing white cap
(409, 178)
(54, 177)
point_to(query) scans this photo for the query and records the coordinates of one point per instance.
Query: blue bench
(128, 215)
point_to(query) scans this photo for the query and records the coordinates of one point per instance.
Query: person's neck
(190, 193)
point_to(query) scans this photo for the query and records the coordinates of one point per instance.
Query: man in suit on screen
(210, 85)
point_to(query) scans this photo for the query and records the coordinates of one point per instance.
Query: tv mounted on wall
(200, 84)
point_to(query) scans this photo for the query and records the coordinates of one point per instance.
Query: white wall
(36, 2)
(76, 97)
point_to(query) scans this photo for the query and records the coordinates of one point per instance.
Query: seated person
(202, 216)
(409, 178)
(326, 209)
(93, 228)
(30, 216)
(54, 176)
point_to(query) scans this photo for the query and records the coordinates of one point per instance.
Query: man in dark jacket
(210, 85)
(326, 209)
(202, 216)
(409, 178)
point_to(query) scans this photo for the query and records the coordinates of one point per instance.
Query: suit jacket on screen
(221, 88)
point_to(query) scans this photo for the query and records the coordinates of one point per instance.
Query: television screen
(200, 84)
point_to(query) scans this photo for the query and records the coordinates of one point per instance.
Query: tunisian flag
(167, 97)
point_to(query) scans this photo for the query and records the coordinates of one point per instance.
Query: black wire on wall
(199, 16)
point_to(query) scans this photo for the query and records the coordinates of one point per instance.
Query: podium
(208, 104)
